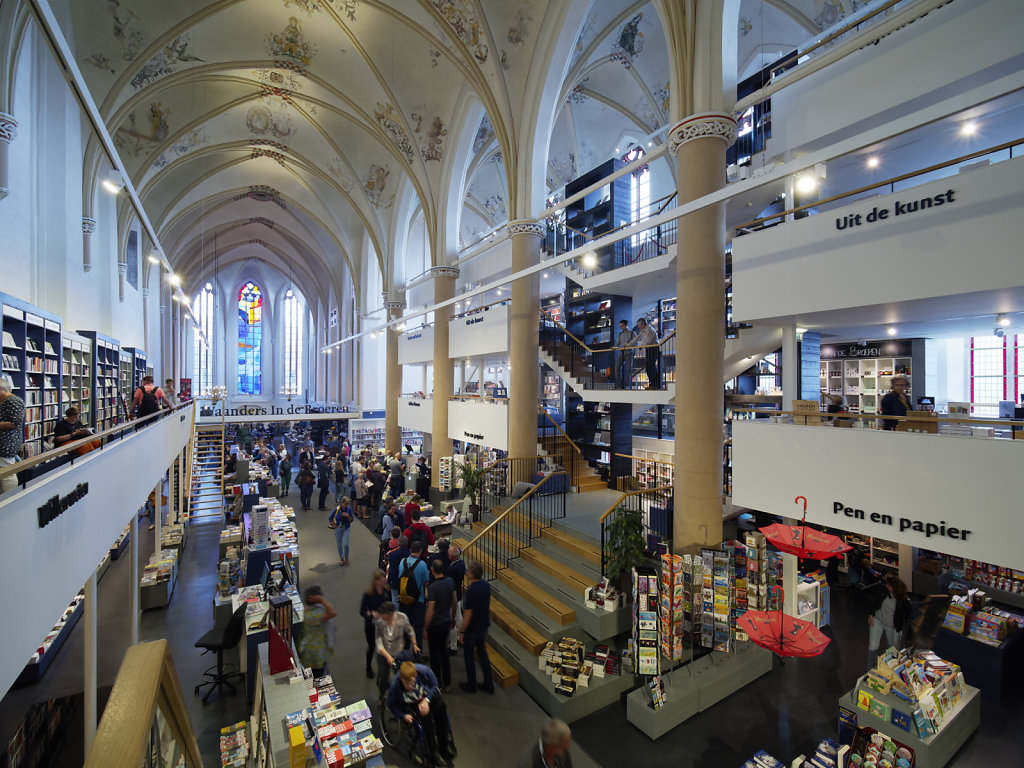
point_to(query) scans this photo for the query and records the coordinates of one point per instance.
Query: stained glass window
(250, 338)
(202, 307)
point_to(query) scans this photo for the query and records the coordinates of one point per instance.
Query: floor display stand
(936, 750)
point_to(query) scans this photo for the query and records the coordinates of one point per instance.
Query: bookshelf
(365, 432)
(104, 379)
(862, 372)
(599, 212)
(138, 367)
(886, 556)
(594, 317)
(124, 376)
(76, 375)
(601, 430)
(31, 363)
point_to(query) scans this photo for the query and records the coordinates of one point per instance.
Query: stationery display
(872, 748)
(645, 641)
(328, 732)
(603, 597)
(234, 746)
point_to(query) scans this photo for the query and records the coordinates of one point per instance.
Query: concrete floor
(786, 712)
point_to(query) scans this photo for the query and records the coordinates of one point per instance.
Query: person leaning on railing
(625, 369)
(646, 342)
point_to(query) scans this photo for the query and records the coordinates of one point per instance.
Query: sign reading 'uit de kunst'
(899, 208)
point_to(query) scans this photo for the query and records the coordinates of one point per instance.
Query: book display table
(158, 579)
(990, 668)
(120, 545)
(52, 643)
(936, 750)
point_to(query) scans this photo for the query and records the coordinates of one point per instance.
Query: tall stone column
(392, 378)
(526, 236)
(8, 132)
(440, 443)
(145, 324)
(122, 276)
(88, 230)
(698, 144)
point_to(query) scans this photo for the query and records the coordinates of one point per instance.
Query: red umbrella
(783, 634)
(802, 541)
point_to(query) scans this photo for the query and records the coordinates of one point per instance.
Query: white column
(8, 132)
(790, 367)
(122, 275)
(89, 667)
(133, 580)
(145, 329)
(172, 492)
(88, 230)
(157, 521)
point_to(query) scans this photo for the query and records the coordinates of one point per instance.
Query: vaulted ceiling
(315, 130)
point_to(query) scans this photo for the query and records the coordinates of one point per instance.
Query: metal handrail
(627, 494)
(876, 185)
(540, 409)
(667, 198)
(641, 458)
(48, 456)
(583, 344)
(474, 310)
(918, 416)
(464, 398)
(519, 501)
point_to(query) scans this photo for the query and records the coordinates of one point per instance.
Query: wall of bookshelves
(367, 432)
(139, 368)
(863, 383)
(886, 556)
(76, 375)
(104, 379)
(31, 363)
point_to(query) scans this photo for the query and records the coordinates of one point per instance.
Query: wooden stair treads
(584, 549)
(552, 567)
(514, 626)
(505, 675)
(547, 604)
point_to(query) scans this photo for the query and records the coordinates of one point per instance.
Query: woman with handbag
(285, 470)
(306, 480)
(340, 522)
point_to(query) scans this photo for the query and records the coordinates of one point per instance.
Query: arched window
(639, 190)
(202, 307)
(250, 338)
(292, 343)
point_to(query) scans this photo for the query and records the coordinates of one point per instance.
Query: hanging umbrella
(783, 634)
(802, 541)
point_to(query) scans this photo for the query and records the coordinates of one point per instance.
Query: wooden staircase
(585, 477)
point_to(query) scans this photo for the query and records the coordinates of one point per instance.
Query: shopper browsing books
(551, 750)
(891, 614)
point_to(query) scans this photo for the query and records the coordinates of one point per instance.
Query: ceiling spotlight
(154, 259)
(892, 330)
(176, 297)
(498, 291)
(173, 279)
(872, 162)
(969, 128)
(184, 300)
(801, 330)
(590, 261)
(114, 181)
(1003, 320)
(545, 275)
(806, 183)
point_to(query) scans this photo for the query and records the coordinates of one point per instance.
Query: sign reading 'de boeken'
(877, 214)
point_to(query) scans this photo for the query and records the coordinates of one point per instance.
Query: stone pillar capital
(713, 125)
(145, 293)
(8, 127)
(88, 226)
(449, 272)
(526, 227)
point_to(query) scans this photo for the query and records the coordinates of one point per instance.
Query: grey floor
(787, 711)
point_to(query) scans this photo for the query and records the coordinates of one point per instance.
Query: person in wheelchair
(415, 698)
(393, 638)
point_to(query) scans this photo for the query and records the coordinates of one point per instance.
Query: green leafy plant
(626, 545)
(472, 479)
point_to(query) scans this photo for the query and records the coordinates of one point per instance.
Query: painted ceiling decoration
(352, 116)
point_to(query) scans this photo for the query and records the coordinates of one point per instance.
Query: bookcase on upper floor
(31, 363)
(599, 212)
(76, 375)
(139, 368)
(104, 379)
(862, 373)
(593, 318)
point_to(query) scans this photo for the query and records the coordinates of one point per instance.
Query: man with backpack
(419, 531)
(395, 559)
(412, 582)
(146, 400)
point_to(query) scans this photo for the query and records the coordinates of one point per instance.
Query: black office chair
(220, 639)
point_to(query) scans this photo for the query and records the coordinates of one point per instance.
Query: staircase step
(548, 604)
(532, 640)
(579, 547)
(576, 581)
(505, 675)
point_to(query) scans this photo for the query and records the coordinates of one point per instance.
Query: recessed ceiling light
(1003, 320)
(892, 330)
(969, 128)
(173, 279)
(801, 330)
(498, 291)
(590, 260)
(806, 183)
(154, 259)
(545, 275)
(872, 162)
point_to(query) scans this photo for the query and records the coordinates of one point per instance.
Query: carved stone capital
(526, 227)
(145, 293)
(122, 268)
(88, 226)
(8, 127)
(450, 272)
(711, 125)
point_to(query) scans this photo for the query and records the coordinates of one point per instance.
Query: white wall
(416, 346)
(483, 422)
(980, 41)
(780, 271)
(480, 333)
(414, 413)
(968, 483)
(58, 559)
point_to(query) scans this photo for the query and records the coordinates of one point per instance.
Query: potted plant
(626, 546)
(471, 478)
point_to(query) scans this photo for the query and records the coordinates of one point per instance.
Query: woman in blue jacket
(341, 521)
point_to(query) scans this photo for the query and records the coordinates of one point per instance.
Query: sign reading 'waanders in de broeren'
(899, 208)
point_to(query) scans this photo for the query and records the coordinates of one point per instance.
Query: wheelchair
(411, 739)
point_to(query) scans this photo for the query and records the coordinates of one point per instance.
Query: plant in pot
(471, 478)
(626, 547)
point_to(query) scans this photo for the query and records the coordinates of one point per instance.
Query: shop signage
(899, 208)
(414, 404)
(56, 506)
(333, 317)
(904, 523)
(897, 348)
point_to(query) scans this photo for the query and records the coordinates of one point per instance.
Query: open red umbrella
(783, 634)
(802, 541)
